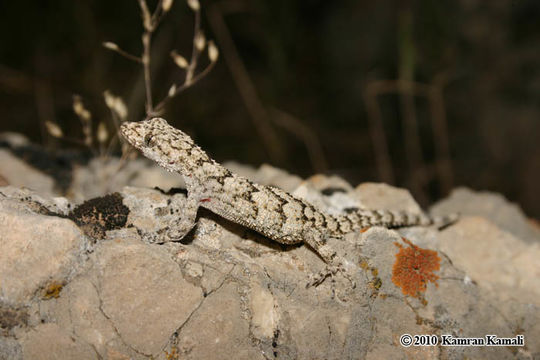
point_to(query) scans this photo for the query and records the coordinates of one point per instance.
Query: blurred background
(427, 95)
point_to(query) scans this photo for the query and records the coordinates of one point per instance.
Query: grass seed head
(200, 41)
(53, 129)
(179, 60)
(194, 5)
(166, 5)
(213, 52)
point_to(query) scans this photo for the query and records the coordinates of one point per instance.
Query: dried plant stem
(433, 92)
(160, 107)
(411, 139)
(45, 108)
(417, 174)
(127, 152)
(158, 14)
(114, 139)
(308, 136)
(147, 76)
(378, 135)
(245, 86)
(123, 53)
(150, 22)
(195, 51)
(440, 133)
(190, 78)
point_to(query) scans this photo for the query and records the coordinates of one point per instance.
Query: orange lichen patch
(364, 265)
(414, 268)
(375, 283)
(363, 230)
(52, 290)
(173, 355)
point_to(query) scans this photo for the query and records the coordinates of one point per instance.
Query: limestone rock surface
(226, 292)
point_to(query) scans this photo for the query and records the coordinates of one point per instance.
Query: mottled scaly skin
(268, 210)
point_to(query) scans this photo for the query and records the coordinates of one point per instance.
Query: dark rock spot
(98, 215)
(332, 190)
(9, 318)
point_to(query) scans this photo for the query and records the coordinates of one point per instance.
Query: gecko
(270, 211)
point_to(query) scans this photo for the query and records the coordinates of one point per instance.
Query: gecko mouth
(128, 129)
(125, 128)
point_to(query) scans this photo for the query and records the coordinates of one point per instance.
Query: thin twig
(413, 151)
(45, 109)
(377, 133)
(160, 107)
(433, 92)
(195, 50)
(147, 76)
(113, 47)
(158, 13)
(245, 86)
(190, 79)
(127, 151)
(411, 137)
(308, 136)
(149, 27)
(150, 24)
(440, 134)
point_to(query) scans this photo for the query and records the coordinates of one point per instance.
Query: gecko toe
(330, 271)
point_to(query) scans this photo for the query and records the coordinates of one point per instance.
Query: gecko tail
(444, 221)
(396, 219)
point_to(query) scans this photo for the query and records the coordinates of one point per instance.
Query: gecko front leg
(186, 219)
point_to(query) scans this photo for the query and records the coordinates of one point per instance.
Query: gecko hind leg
(334, 263)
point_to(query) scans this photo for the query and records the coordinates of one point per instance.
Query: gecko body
(275, 213)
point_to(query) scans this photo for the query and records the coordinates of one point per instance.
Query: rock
(143, 292)
(327, 192)
(385, 197)
(78, 311)
(269, 175)
(266, 175)
(448, 306)
(492, 206)
(495, 259)
(10, 349)
(264, 315)
(36, 202)
(14, 139)
(37, 252)
(335, 203)
(328, 185)
(16, 172)
(218, 330)
(106, 175)
(247, 171)
(3, 181)
(226, 292)
(50, 342)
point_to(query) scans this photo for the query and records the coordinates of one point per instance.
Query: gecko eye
(148, 140)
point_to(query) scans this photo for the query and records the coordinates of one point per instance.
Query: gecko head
(162, 143)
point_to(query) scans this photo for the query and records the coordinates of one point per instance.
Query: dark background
(426, 95)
